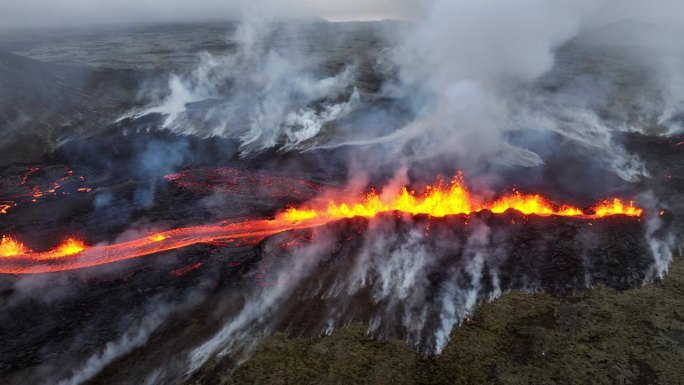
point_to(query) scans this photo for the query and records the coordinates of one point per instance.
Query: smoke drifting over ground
(131, 339)
(467, 74)
(285, 110)
(458, 62)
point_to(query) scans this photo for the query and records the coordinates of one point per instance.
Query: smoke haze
(504, 90)
(32, 13)
(468, 74)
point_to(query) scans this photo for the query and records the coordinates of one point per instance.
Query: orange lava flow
(438, 200)
(73, 254)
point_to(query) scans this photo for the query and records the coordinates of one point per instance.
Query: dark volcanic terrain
(534, 299)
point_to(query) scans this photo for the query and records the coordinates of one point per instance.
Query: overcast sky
(30, 13)
(18, 13)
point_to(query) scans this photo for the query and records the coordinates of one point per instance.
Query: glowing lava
(616, 206)
(9, 247)
(157, 237)
(36, 192)
(295, 215)
(438, 201)
(186, 269)
(36, 184)
(74, 254)
(4, 206)
(532, 204)
(70, 246)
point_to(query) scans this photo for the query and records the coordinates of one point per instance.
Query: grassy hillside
(602, 336)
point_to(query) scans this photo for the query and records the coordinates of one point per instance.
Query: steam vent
(360, 192)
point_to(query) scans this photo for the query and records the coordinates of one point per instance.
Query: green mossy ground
(602, 336)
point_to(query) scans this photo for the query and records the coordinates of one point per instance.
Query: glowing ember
(9, 247)
(4, 206)
(186, 269)
(37, 183)
(39, 191)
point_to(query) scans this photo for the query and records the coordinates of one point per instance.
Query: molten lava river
(438, 200)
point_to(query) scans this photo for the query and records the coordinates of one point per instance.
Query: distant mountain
(41, 102)
(626, 33)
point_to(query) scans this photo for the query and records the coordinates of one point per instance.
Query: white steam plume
(260, 94)
(253, 320)
(135, 337)
(457, 66)
(471, 73)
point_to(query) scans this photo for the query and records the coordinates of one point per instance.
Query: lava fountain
(438, 200)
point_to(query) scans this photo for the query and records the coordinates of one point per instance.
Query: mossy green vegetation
(600, 336)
